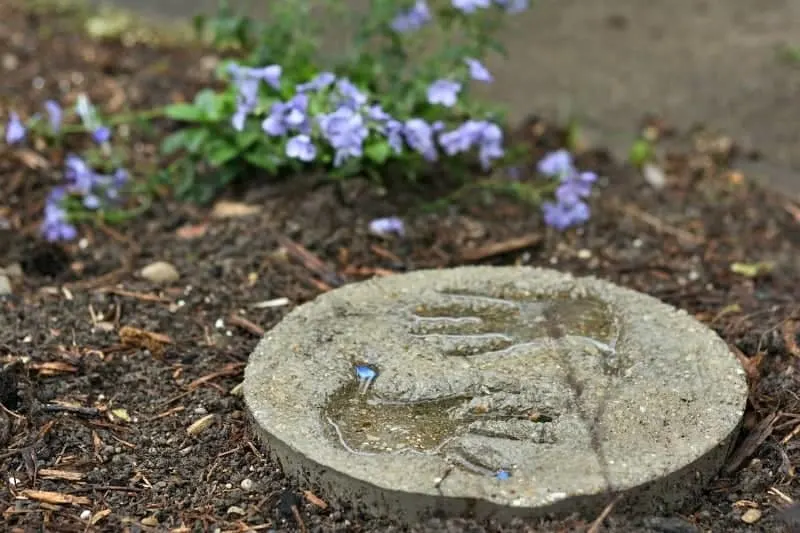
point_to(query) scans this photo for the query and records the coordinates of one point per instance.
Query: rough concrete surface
(495, 392)
(610, 62)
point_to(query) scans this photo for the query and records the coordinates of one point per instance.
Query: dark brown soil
(102, 372)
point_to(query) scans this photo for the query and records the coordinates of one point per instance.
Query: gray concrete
(576, 388)
(611, 61)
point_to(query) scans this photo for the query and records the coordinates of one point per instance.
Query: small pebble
(233, 509)
(14, 270)
(5, 285)
(10, 62)
(86, 514)
(247, 484)
(751, 516)
(584, 253)
(160, 272)
(654, 176)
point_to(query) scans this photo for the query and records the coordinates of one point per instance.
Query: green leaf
(262, 159)
(210, 103)
(185, 112)
(220, 151)
(641, 152)
(246, 139)
(378, 152)
(189, 139)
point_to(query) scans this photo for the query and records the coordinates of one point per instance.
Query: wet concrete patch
(495, 392)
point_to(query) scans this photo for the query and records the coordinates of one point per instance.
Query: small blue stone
(502, 475)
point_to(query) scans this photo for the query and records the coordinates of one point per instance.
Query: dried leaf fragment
(201, 425)
(146, 340)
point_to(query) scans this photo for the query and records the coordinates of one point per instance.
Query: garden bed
(103, 371)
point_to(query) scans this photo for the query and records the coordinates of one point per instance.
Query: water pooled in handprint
(515, 354)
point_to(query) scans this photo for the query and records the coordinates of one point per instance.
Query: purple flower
(54, 115)
(346, 131)
(15, 129)
(376, 113)
(246, 101)
(321, 81)
(56, 225)
(271, 75)
(413, 19)
(470, 6)
(247, 81)
(419, 136)
(387, 226)
(569, 208)
(274, 124)
(575, 187)
(477, 71)
(296, 112)
(444, 92)
(393, 130)
(116, 182)
(487, 136)
(462, 138)
(300, 147)
(561, 216)
(556, 164)
(350, 95)
(288, 116)
(491, 144)
(91, 201)
(79, 175)
(101, 135)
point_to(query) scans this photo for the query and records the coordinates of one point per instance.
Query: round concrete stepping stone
(495, 392)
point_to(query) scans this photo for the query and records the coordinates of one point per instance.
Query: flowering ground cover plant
(387, 109)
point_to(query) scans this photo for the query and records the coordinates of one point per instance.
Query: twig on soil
(175, 398)
(353, 270)
(300, 523)
(136, 295)
(52, 473)
(382, 252)
(231, 369)
(242, 322)
(595, 527)
(73, 409)
(500, 248)
(659, 225)
(166, 413)
(10, 413)
(311, 262)
(751, 443)
(92, 488)
(792, 434)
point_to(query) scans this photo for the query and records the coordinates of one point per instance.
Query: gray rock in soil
(498, 392)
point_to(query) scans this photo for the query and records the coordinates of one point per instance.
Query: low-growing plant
(388, 107)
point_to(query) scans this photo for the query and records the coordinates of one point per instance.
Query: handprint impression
(510, 368)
